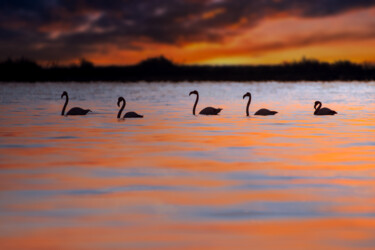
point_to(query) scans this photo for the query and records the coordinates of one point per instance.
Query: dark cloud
(65, 29)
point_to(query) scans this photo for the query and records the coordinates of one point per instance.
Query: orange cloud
(211, 14)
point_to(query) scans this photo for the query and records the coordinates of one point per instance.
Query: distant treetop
(157, 62)
(86, 63)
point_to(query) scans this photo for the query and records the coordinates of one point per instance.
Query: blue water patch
(62, 137)
(136, 172)
(224, 154)
(259, 175)
(278, 124)
(23, 146)
(131, 188)
(358, 144)
(284, 186)
(56, 212)
(22, 196)
(274, 210)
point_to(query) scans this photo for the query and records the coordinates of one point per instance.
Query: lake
(176, 181)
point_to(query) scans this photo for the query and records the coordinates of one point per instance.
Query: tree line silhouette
(162, 69)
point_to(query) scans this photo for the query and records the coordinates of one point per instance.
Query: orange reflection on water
(173, 180)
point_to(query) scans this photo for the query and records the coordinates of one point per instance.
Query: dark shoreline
(163, 70)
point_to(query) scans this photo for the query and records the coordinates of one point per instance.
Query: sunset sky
(187, 31)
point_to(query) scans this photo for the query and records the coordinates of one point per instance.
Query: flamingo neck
(318, 107)
(247, 106)
(66, 103)
(122, 108)
(195, 104)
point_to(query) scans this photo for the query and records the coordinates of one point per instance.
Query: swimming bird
(322, 111)
(75, 110)
(263, 112)
(205, 111)
(128, 114)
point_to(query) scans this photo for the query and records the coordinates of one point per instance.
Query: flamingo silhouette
(263, 112)
(322, 111)
(128, 114)
(75, 110)
(207, 110)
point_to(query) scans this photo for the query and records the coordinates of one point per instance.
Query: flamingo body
(210, 111)
(132, 115)
(265, 112)
(77, 111)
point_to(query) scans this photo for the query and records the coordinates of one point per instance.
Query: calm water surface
(177, 181)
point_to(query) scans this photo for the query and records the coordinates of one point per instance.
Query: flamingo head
(64, 94)
(119, 101)
(316, 104)
(247, 94)
(193, 92)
